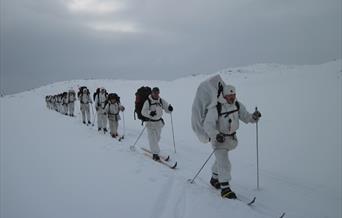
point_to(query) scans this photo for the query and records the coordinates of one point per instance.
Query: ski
(165, 158)
(250, 203)
(165, 163)
(243, 199)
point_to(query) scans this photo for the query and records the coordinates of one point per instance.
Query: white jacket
(71, 97)
(100, 100)
(214, 124)
(157, 106)
(113, 111)
(85, 99)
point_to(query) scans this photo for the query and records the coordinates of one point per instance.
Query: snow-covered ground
(54, 166)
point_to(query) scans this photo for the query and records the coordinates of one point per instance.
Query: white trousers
(222, 166)
(85, 109)
(113, 126)
(71, 108)
(101, 119)
(153, 132)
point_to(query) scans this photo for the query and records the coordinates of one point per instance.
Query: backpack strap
(226, 114)
(159, 103)
(220, 89)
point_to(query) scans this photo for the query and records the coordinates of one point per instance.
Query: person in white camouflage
(100, 101)
(85, 100)
(112, 109)
(153, 111)
(221, 124)
(71, 102)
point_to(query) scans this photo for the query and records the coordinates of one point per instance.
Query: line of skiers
(215, 118)
(63, 103)
(107, 107)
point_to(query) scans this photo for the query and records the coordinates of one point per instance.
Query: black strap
(160, 103)
(232, 134)
(220, 89)
(226, 114)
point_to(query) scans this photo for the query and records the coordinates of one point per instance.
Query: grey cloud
(42, 41)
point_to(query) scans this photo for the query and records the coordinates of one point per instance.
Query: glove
(153, 113)
(220, 138)
(256, 115)
(122, 108)
(170, 108)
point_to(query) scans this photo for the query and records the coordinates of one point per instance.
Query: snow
(54, 166)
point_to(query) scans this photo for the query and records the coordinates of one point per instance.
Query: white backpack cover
(206, 97)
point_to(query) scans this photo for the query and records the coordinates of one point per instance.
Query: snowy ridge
(53, 166)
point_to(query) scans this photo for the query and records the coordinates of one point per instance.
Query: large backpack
(114, 95)
(207, 95)
(96, 93)
(140, 97)
(80, 91)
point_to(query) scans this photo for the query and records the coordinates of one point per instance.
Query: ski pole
(173, 134)
(193, 179)
(257, 150)
(132, 147)
(123, 124)
(93, 114)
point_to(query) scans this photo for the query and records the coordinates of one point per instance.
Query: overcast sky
(44, 41)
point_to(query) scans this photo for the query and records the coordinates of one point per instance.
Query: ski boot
(156, 157)
(215, 183)
(227, 192)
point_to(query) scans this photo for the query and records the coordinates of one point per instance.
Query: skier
(153, 111)
(71, 102)
(84, 97)
(221, 124)
(100, 101)
(113, 108)
(64, 103)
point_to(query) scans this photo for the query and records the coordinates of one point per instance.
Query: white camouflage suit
(84, 105)
(113, 111)
(155, 125)
(215, 124)
(71, 102)
(100, 100)
(65, 104)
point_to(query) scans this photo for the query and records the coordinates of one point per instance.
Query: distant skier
(85, 100)
(64, 103)
(100, 101)
(113, 108)
(220, 124)
(71, 102)
(153, 111)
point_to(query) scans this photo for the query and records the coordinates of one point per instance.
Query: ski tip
(174, 166)
(251, 202)
(282, 215)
